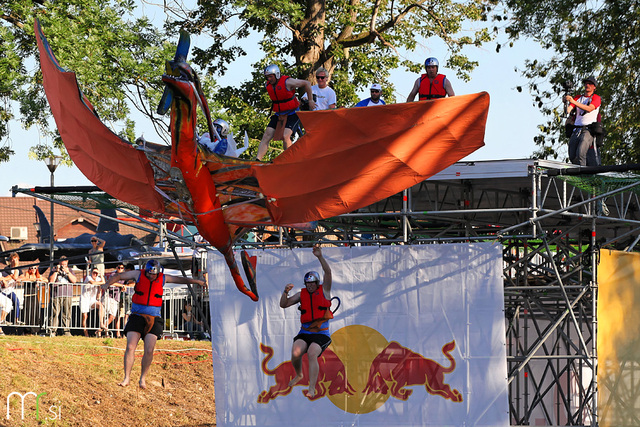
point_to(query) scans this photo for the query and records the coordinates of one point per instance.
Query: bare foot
(295, 380)
(142, 383)
(124, 383)
(310, 393)
(86, 333)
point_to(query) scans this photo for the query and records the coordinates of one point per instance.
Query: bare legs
(147, 358)
(264, 142)
(266, 138)
(100, 308)
(129, 357)
(297, 351)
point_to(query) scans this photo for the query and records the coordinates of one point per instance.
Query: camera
(304, 103)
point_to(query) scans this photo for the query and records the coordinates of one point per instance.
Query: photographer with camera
(585, 127)
(62, 280)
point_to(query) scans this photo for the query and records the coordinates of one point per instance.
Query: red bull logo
(397, 367)
(332, 377)
(377, 370)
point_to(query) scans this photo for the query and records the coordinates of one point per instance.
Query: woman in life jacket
(315, 308)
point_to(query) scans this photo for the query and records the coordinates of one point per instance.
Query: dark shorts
(292, 121)
(136, 323)
(322, 340)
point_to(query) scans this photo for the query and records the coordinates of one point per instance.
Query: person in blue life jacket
(145, 322)
(315, 308)
(431, 85)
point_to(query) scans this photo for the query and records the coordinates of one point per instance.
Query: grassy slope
(80, 375)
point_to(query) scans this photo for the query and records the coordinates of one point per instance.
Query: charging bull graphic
(332, 378)
(397, 367)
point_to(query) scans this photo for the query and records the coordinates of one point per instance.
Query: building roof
(19, 212)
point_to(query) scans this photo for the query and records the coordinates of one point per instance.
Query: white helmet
(431, 61)
(222, 127)
(272, 69)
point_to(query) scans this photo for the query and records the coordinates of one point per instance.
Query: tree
(117, 57)
(586, 38)
(358, 41)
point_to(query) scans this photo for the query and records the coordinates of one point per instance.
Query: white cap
(375, 86)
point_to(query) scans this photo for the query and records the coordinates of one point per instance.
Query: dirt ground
(76, 379)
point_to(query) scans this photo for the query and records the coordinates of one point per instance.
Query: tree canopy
(358, 41)
(116, 55)
(585, 38)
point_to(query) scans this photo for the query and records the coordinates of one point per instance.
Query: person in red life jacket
(431, 85)
(282, 91)
(145, 322)
(315, 308)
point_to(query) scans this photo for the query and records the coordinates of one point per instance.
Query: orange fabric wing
(112, 164)
(351, 158)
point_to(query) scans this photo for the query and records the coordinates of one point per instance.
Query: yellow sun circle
(357, 346)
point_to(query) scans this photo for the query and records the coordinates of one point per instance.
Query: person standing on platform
(96, 255)
(376, 92)
(324, 96)
(282, 91)
(431, 85)
(582, 147)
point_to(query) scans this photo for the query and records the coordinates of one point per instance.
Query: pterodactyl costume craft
(348, 158)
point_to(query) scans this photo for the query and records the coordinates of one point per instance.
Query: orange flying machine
(348, 158)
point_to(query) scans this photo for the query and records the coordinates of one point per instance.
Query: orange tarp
(350, 158)
(112, 164)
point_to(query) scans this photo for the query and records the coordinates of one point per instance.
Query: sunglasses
(94, 241)
(321, 77)
(375, 91)
(121, 268)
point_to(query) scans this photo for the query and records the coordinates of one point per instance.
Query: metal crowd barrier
(37, 303)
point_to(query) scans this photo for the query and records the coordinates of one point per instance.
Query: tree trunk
(308, 40)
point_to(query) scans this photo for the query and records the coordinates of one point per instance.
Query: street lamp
(52, 163)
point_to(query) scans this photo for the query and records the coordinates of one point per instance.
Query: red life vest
(314, 306)
(283, 99)
(147, 292)
(432, 89)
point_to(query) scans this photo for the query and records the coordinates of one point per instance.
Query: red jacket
(432, 89)
(314, 306)
(283, 100)
(147, 292)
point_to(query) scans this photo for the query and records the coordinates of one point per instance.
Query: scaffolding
(551, 227)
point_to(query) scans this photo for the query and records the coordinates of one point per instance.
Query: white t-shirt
(325, 97)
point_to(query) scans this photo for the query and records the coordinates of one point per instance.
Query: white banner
(418, 340)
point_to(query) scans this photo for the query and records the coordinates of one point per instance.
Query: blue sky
(511, 125)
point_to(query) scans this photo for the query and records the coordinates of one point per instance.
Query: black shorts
(136, 323)
(322, 340)
(292, 121)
